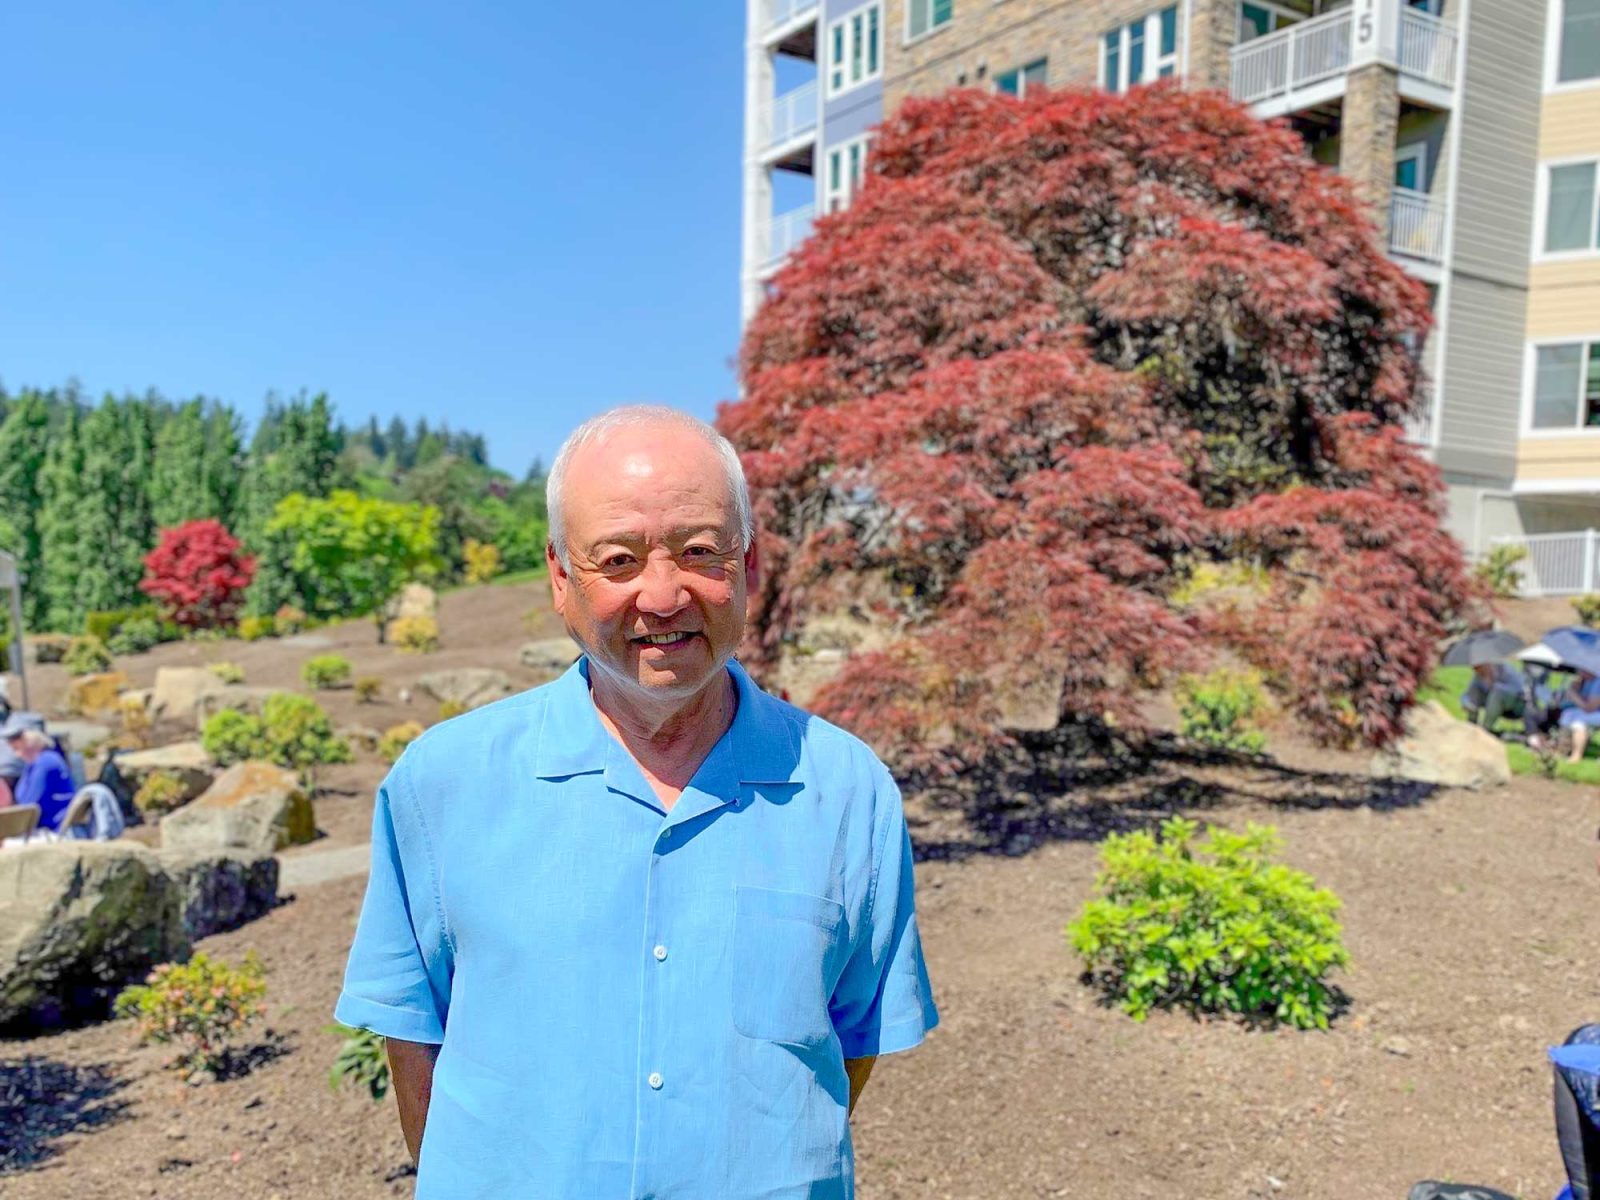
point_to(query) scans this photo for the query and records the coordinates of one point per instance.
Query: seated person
(46, 779)
(1497, 690)
(1581, 711)
(10, 771)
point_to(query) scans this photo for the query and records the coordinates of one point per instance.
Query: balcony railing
(781, 12)
(784, 232)
(790, 116)
(1416, 225)
(1428, 47)
(1306, 52)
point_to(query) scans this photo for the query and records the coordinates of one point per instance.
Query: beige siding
(1571, 124)
(1574, 457)
(1564, 299)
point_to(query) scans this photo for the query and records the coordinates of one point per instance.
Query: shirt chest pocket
(784, 947)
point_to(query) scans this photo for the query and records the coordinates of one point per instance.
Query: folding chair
(18, 820)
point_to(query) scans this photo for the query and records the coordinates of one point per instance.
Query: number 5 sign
(1374, 29)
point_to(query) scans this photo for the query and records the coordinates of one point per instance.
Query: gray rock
(236, 696)
(253, 807)
(1441, 750)
(80, 735)
(361, 737)
(549, 654)
(78, 922)
(187, 761)
(178, 691)
(219, 890)
(467, 686)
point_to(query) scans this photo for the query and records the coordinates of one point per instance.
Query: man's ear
(752, 563)
(559, 583)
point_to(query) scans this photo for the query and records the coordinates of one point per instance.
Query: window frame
(933, 26)
(1541, 211)
(1021, 73)
(846, 191)
(1555, 14)
(1590, 342)
(1414, 152)
(1153, 60)
(850, 51)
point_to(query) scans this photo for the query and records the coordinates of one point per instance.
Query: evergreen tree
(24, 441)
(221, 462)
(397, 444)
(178, 480)
(63, 550)
(295, 449)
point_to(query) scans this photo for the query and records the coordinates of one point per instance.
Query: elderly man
(640, 932)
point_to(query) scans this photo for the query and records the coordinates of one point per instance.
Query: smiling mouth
(666, 640)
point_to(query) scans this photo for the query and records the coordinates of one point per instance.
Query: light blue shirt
(634, 1003)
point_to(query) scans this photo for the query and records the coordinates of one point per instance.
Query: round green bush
(326, 671)
(86, 656)
(135, 636)
(1238, 933)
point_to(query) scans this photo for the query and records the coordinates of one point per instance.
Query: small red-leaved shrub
(198, 575)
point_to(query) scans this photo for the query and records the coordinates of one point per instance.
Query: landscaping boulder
(96, 695)
(1439, 749)
(220, 890)
(185, 761)
(46, 647)
(78, 921)
(415, 600)
(469, 687)
(236, 696)
(253, 806)
(82, 736)
(549, 654)
(361, 737)
(178, 691)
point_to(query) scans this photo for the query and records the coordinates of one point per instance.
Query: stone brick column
(1213, 26)
(1367, 137)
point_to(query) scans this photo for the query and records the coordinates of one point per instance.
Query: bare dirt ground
(1470, 919)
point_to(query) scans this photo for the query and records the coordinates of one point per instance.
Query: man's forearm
(857, 1069)
(411, 1075)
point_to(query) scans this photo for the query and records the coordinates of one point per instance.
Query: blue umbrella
(1577, 646)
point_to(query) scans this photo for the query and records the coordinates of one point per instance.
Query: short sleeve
(397, 980)
(883, 1001)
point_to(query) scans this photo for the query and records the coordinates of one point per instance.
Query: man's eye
(618, 561)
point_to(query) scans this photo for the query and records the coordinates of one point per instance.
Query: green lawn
(1446, 687)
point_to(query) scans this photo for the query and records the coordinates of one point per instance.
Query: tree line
(86, 487)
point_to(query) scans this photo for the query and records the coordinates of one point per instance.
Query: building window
(924, 16)
(1566, 386)
(1571, 211)
(1140, 51)
(1578, 50)
(846, 168)
(1411, 167)
(1261, 18)
(855, 49)
(1023, 80)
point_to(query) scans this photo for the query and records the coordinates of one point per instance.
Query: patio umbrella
(1485, 646)
(1577, 646)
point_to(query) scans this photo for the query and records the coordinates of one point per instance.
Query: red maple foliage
(1058, 352)
(198, 575)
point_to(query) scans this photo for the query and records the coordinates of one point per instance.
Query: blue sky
(508, 216)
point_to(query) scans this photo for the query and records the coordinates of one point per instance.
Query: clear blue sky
(508, 216)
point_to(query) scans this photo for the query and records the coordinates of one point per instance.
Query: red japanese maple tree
(1060, 353)
(198, 575)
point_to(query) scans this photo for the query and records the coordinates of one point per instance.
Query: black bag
(1456, 1191)
(112, 777)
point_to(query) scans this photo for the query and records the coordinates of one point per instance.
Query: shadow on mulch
(239, 1061)
(1083, 783)
(42, 1101)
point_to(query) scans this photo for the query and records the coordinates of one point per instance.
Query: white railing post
(1588, 561)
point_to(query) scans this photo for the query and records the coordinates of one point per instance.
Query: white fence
(1558, 564)
(1428, 47)
(1304, 53)
(785, 232)
(1416, 225)
(789, 116)
(781, 12)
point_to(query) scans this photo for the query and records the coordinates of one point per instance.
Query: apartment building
(1472, 127)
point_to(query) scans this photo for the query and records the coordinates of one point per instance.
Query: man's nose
(661, 590)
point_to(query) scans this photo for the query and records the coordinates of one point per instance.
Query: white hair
(632, 416)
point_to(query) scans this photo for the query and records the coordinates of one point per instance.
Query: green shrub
(253, 629)
(362, 1060)
(1217, 710)
(198, 1005)
(396, 738)
(450, 708)
(1500, 569)
(1588, 609)
(414, 635)
(1236, 934)
(161, 792)
(86, 656)
(228, 672)
(135, 636)
(367, 688)
(326, 671)
(105, 623)
(292, 731)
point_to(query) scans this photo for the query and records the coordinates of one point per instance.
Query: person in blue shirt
(46, 779)
(642, 931)
(1581, 712)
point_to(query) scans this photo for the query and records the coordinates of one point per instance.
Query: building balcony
(1308, 64)
(790, 26)
(782, 234)
(787, 128)
(1417, 223)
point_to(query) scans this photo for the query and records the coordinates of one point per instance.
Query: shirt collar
(761, 746)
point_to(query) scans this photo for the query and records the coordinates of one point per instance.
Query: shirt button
(665, 834)
(655, 1080)
(661, 954)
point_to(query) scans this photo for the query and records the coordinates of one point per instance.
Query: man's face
(655, 584)
(22, 749)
